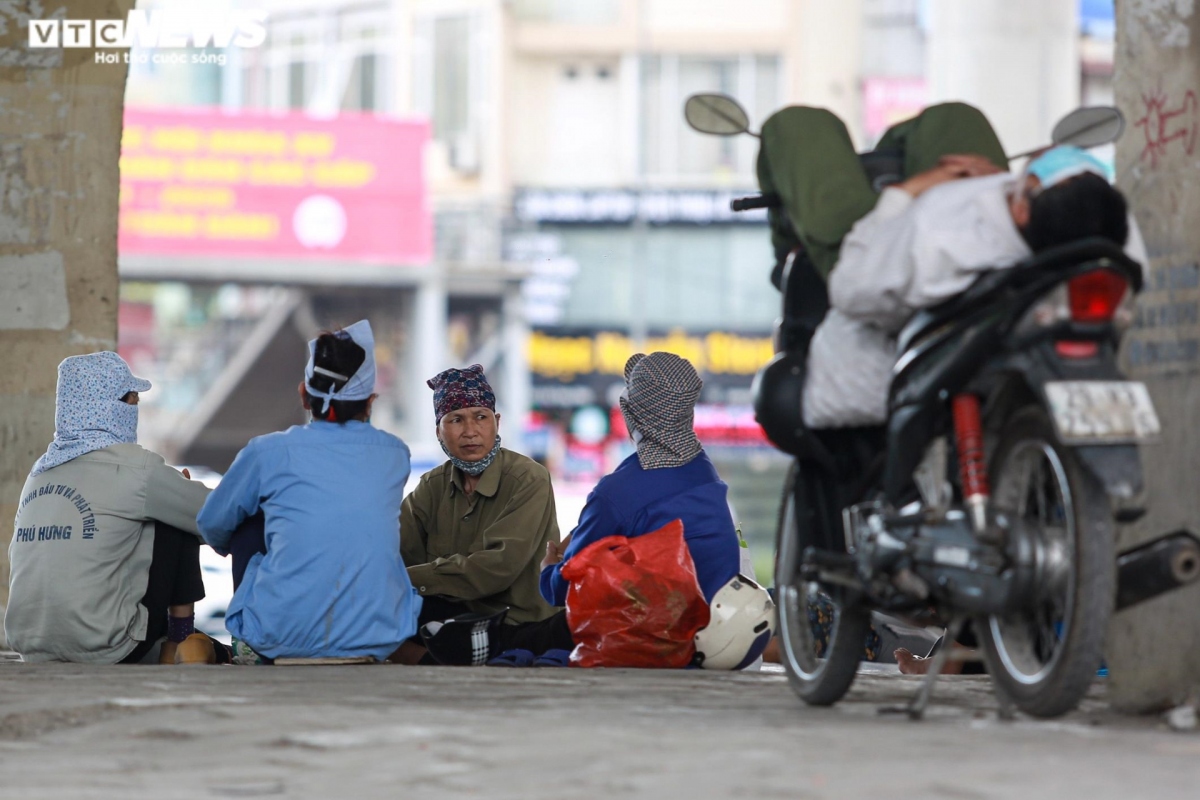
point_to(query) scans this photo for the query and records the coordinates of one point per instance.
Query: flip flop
(512, 658)
(553, 658)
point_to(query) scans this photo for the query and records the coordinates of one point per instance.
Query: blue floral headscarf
(89, 414)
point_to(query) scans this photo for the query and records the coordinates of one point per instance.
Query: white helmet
(739, 628)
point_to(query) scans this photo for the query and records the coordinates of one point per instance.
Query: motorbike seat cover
(883, 167)
(928, 319)
(1058, 259)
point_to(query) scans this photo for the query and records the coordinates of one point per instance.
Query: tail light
(1094, 297)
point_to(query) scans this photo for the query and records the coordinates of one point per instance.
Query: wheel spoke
(1033, 482)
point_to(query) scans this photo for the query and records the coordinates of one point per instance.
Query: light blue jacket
(332, 582)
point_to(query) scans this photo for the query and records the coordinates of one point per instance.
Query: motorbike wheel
(1045, 656)
(818, 681)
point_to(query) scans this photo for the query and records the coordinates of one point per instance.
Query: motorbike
(990, 496)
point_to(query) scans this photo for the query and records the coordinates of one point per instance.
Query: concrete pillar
(1154, 649)
(429, 320)
(516, 401)
(60, 133)
(1018, 60)
(825, 67)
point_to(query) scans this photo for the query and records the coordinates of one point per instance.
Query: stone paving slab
(69, 731)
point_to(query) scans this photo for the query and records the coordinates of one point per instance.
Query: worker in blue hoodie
(321, 576)
(669, 477)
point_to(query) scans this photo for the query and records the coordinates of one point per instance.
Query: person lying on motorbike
(958, 214)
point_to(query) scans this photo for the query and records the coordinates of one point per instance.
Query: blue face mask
(1060, 163)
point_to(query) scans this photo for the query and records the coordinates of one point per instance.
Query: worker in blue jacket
(669, 477)
(322, 576)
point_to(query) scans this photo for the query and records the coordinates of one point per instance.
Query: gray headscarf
(659, 404)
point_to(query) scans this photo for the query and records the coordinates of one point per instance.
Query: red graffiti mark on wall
(1162, 126)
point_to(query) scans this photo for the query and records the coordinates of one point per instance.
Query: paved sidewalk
(69, 731)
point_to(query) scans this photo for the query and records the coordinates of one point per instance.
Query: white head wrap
(358, 386)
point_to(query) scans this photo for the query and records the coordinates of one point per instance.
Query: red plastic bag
(635, 602)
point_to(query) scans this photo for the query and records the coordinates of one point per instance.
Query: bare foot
(408, 653)
(910, 664)
(771, 653)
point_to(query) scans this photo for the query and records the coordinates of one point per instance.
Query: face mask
(1060, 163)
(473, 467)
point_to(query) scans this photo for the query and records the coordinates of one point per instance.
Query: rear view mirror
(716, 114)
(1089, 127)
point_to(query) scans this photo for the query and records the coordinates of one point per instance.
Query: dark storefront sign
(624, 206)
(574, 367)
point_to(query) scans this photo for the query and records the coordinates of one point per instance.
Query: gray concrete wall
(1154, 649)
(60, 130)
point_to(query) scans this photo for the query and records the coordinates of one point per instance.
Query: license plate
(1102, 412)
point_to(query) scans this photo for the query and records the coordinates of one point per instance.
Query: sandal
(553, 658)
(512, 658)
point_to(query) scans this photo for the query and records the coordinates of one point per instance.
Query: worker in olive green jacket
(474, 531)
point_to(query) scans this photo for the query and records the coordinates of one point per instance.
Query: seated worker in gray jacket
(105, 557)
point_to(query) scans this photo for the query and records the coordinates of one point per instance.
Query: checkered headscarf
(659, 403)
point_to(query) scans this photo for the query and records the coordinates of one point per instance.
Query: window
(449, 55)
(571, 12)
(364, 53)
(323, 62)
(672, 152)
(361, 93)
(451, 77)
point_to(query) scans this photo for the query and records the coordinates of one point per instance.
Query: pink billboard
(274, 185)
(887, 101)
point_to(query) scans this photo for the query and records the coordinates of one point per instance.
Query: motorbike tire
(818, 682)
(1014, 644)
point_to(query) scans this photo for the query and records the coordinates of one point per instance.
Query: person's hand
(949, 168)
(554, 554)
(186, 474)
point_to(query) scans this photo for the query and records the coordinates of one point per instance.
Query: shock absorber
(968, 434)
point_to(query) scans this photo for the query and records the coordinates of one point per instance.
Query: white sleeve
(875, 266)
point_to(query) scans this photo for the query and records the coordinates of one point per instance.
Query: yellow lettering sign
(179, 139)
(241, 226)
(247, 143)
(147, 168)
(277, 173)
(160, 224)
(605, 353)
(561, 357)
(212, 170)
(197, 196)
(313, 144)
(345, 173)
(132, 137)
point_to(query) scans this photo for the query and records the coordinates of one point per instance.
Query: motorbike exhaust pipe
(1156, 568)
